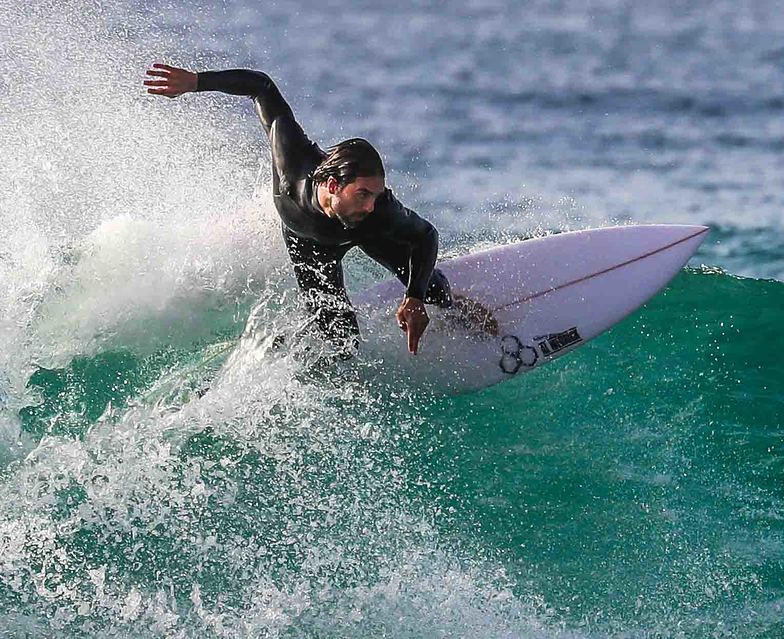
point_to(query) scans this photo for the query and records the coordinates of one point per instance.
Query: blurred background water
(632, 489)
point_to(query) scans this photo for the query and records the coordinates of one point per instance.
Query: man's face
(353, 202)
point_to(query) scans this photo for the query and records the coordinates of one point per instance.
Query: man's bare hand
(175, 81)
(412, 318)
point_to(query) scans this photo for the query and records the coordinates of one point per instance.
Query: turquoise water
(630, 489)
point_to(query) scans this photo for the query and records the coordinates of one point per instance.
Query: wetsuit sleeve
(407, 227)
(270, 104)
(291, 147)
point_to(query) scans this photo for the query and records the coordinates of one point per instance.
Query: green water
(632, 488)
(647, 466)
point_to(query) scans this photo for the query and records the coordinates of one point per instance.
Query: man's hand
(412, 318)
(176, 81)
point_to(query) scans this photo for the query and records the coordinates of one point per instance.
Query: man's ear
(332, 185)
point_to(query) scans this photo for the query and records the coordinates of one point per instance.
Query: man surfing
(330, 201)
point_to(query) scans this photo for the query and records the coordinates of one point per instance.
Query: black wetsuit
(393, 235)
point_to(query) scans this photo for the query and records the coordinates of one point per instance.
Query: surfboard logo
(554, 342)
(515, 354)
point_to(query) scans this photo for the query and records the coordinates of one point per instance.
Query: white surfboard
(547, 296)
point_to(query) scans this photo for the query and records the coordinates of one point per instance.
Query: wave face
(632, 488)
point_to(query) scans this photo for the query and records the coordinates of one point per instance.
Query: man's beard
(347, 222)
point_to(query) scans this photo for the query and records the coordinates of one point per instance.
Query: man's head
(353, 176)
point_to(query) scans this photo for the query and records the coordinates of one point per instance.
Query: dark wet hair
(348, 160)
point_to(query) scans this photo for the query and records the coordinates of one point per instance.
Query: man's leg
(395, 258)
(319, 274)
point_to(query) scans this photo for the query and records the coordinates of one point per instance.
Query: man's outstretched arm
(173, 82)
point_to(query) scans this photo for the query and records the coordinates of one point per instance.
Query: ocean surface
(632, 489)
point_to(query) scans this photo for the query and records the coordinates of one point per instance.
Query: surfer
(330, 201)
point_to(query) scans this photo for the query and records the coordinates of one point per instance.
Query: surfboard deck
(547, 296)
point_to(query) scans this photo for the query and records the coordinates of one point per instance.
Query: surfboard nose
(698, 228)
(695, 234)
(677, 229)
(702, 231)
(667, 236)
(676, 239)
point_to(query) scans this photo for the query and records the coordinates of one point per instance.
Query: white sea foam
(130, 223)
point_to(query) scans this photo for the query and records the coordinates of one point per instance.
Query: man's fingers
(156, 83)
(412, 318)
(414, 335)
(160, 74)
(163, 92)
(158, 65)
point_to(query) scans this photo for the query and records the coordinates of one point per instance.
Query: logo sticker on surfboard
(555, 342)
(515, 354)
